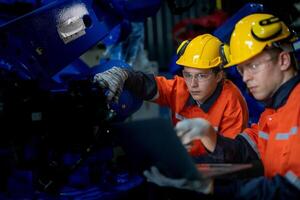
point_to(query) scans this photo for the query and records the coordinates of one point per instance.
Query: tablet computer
(153, 142)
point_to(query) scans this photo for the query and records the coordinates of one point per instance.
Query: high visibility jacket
(276, 140)
(276, 137)
(226, 109)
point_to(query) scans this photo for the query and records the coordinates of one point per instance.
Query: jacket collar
(205, 106)
(281, 95)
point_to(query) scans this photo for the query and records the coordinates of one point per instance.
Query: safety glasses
(253, 68)
(200, 77)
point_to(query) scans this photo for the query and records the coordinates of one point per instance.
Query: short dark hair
(216, 70)
(288, 47)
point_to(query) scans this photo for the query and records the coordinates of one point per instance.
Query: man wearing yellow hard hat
(201, 92)
(261, 47)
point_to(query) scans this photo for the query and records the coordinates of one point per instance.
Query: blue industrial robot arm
(40, 43)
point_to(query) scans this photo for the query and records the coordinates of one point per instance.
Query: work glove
(204, 186)
(189, 130)
(113, 80)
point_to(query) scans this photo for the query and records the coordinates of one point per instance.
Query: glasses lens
(197, 77)
(253, 68)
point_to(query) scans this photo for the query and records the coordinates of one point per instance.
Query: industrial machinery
(54, 120)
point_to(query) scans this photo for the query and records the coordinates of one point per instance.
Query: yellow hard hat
(252, 34)
(201, 52)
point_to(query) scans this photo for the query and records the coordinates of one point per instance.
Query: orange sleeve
(252, 133)
(251, 136)
(235, 116)
(166, 89)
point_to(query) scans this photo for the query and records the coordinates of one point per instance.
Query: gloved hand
(154, 176)
(112, 79)
(192, 129)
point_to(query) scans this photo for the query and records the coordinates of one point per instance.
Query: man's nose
(247, 75)
(194, 82)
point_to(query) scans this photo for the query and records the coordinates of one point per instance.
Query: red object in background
(190, 28)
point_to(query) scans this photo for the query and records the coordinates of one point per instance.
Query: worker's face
(201, 83)
(262, 75)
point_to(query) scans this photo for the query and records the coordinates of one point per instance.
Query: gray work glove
(112, 79)
(203, 186)
(192, 129)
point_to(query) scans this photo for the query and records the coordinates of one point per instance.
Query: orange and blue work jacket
(225, 109)
(275, 139)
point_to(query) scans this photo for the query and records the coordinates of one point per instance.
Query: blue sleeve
(228, 150)
(140, 84)
(257, 188)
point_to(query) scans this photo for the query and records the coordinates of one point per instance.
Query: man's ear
(284, 60)
(220, 76)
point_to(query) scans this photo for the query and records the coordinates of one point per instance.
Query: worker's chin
(259, 96)
(198, 98)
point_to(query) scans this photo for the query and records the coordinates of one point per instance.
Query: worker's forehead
(258, 58)
(195, 70)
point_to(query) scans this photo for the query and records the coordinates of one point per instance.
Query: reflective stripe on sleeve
(251, 142)
(293, 179)
(263, 135)
(180, 117)
(285, 136)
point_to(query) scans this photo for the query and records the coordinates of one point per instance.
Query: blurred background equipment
(55, 139)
